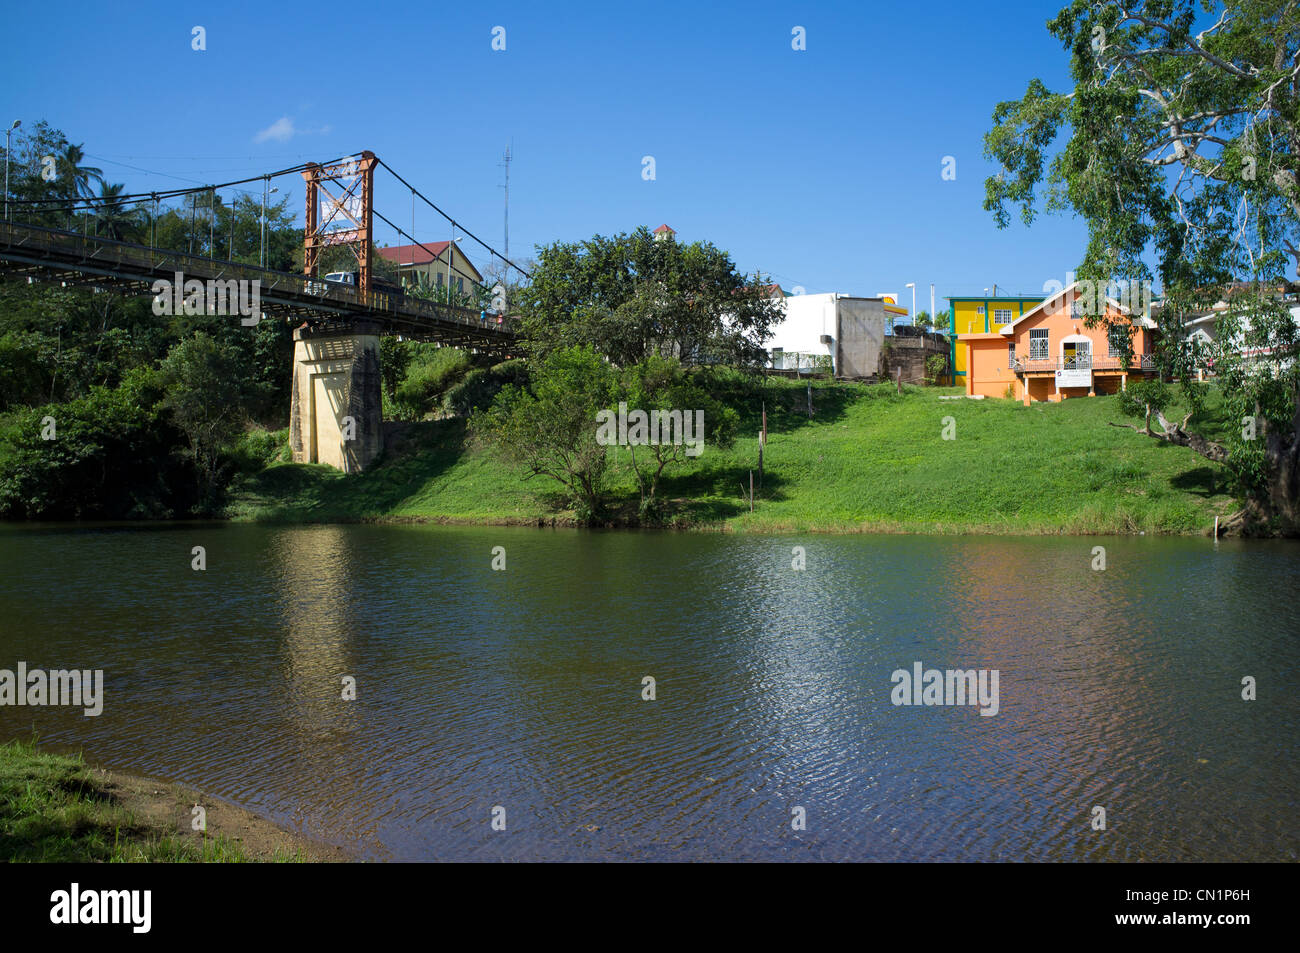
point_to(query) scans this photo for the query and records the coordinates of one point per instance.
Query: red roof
(415, 254)
(664, 228)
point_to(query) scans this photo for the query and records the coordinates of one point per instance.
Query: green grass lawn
(53, 810)
(868, 460)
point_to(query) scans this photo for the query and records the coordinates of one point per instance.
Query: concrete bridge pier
(335, 415)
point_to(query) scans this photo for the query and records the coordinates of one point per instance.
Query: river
(519, 695)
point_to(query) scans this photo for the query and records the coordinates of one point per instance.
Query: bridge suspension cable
(378, 214)
(92, 202)
(454, 223)
(164, 193)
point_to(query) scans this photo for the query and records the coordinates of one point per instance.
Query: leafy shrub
(480, 387)
(431, 372)
(257, 449)
(114, 455)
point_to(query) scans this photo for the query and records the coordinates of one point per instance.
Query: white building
(804, 338)
(835, 331)
(1202, 329)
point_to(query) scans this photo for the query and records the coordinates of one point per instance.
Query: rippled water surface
(477, 688)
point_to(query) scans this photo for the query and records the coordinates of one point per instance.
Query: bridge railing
(152, 263)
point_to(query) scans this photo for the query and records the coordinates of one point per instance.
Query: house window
(778, 358)
(1038, 344)
(440, 279)
(460, 284)
(1011, 355)
(1115, 337)
(1001, 316)
(980, 309)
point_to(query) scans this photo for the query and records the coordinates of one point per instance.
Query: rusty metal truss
(340, 211)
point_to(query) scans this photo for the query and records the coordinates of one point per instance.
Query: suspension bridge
(335, 413)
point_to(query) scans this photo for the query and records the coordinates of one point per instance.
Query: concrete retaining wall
(910, 354)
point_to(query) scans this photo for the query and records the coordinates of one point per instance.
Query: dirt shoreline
(165, 807)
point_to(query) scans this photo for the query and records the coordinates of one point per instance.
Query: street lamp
(451, 258)
(8, 133)
(266, 181)
(912, 285)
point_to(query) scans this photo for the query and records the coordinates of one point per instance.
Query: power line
(194, 158)
(166, 175)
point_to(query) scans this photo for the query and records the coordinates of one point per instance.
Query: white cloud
(281, 130)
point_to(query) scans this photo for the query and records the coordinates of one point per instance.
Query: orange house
(1050, 353)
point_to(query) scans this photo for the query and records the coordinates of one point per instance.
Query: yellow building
(427, 264)
(981, 315)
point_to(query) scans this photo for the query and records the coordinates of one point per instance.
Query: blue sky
(820, 167)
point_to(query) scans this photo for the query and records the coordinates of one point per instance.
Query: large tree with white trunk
(1182, 147)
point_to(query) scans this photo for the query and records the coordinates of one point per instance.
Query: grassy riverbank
(869, 460)
(54, 808)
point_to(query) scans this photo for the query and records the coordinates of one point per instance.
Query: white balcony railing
(1138, 362)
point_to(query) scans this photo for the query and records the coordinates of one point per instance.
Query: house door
(1077, 354)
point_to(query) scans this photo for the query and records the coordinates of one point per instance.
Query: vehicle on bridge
(377, 284)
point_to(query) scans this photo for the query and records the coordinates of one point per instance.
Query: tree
(204, 396)
(1184, 146)
(630, 296)
(660, 384)
(341, 257)
(28, 184)
(938, 321)
(78, 177)
(511, 280)
(112, 218)
(549, 428)
(394, 358)
(111, 457)
(445, 294)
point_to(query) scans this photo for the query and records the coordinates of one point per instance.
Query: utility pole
(261, 254)
(7, 151)
(506, 162)
(505, 272)
(266, 182)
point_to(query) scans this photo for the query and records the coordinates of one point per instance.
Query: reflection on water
(522, 688)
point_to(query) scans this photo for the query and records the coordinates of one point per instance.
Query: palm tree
(111, 215)
(76, 175)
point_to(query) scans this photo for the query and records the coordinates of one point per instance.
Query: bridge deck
(48, 255)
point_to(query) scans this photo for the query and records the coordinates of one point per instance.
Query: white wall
(807, 318)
